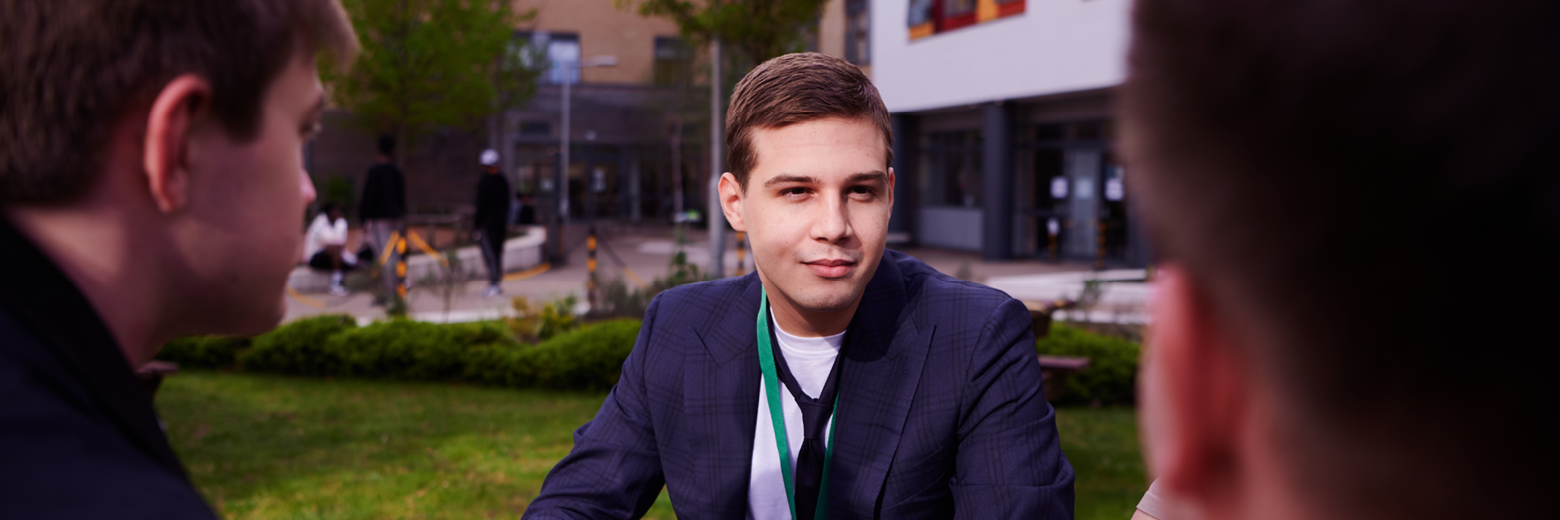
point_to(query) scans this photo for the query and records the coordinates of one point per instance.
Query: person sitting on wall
(325, 246)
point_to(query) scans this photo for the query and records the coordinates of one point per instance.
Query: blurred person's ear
(1195, 397)
(181, 108)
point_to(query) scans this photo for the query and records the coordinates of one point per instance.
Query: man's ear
(731, 201)
(174, 114)
(1194, 395)
(890, 186)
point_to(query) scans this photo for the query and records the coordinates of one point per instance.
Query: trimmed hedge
(590, 358)
(298, 347)
(203, 351)
(1111, 377)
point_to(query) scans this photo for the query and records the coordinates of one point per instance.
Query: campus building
(1005, 143)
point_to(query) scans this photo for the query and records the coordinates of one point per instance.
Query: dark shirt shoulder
(63, 456)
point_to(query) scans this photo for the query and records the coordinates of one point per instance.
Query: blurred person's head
(386, 147)
(153, 149)
(1349, 199)
(809, 146)
(331, 211)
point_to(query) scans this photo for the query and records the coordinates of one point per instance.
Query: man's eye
(793, 191)
(862, 190)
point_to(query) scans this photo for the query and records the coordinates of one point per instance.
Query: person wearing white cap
(491, 222)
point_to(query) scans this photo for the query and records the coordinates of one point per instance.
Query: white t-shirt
(322, 232)
(810, 360)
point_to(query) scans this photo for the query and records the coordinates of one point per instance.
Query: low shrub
(298, 347)
(532, 323)
(407, 349)
(1111, 377)
(587, 359)
(203, 351)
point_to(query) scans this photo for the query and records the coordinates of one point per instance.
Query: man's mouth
(831, 268)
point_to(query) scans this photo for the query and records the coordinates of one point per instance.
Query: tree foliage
(755, 30)
(432, 63)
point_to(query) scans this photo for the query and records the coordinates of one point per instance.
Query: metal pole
(717, 219)
(563, 172)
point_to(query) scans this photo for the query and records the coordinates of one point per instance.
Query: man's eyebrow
(858, 178)
(790, 179)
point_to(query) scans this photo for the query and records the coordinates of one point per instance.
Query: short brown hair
(1351, 184)
(71, 69)
(796, 88)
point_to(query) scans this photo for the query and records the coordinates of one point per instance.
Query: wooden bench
(1054, 370)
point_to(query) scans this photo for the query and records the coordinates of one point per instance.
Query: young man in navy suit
(841, 380)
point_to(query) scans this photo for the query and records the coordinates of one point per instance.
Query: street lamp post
(559, 252)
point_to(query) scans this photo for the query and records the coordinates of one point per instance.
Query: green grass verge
(265, 446)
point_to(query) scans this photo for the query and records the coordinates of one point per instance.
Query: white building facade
(1004, 137)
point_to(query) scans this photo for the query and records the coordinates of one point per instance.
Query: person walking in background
(383, 211)
(325, 246)
(151, 175)
(492, 220)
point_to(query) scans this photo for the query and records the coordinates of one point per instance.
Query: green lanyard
(766, 361)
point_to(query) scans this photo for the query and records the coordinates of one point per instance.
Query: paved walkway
(641, 253)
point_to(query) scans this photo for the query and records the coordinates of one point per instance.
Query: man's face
(246, 205)
(816, 207)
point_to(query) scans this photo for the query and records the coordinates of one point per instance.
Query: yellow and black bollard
(741, 251)
(590, 261)
(400, 268)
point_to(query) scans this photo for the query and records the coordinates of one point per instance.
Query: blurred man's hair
(796, 88)
(1358, 188)
(72, 69)
(386, 145)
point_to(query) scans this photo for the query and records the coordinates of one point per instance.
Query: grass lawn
(282, 447)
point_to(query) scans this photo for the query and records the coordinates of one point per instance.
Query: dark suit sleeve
(614, 470)
(1009, 462)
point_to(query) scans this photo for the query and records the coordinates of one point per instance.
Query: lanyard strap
(766, 361)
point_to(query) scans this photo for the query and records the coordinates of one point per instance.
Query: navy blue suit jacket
(940, 413)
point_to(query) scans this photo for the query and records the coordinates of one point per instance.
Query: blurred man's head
(809, 148)
(155, 146)
(1346, 196)
(331, 211)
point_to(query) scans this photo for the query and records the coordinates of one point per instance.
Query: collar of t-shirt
(810, 359)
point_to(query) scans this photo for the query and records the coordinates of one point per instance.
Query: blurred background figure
(325, 243)
(1319, 348)
(492, 219)
(383, 211)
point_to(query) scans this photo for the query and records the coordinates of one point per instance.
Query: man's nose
(832, 224)
(307, 185)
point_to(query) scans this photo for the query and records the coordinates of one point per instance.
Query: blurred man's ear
(175, 112)
(1194, 398)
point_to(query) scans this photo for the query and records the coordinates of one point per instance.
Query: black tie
(815, 415)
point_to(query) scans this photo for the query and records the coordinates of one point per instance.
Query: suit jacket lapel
(884, 354)
(721, 400)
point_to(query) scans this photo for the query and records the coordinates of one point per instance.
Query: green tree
(428, 64)
(753, 30)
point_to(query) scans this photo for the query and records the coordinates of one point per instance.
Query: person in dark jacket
(160, 200)
(383, 210)
(492, 218)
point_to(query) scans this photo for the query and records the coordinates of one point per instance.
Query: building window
(671, 61)
(535, 128)
(951, 169)
(858, 25)
(561, 52)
